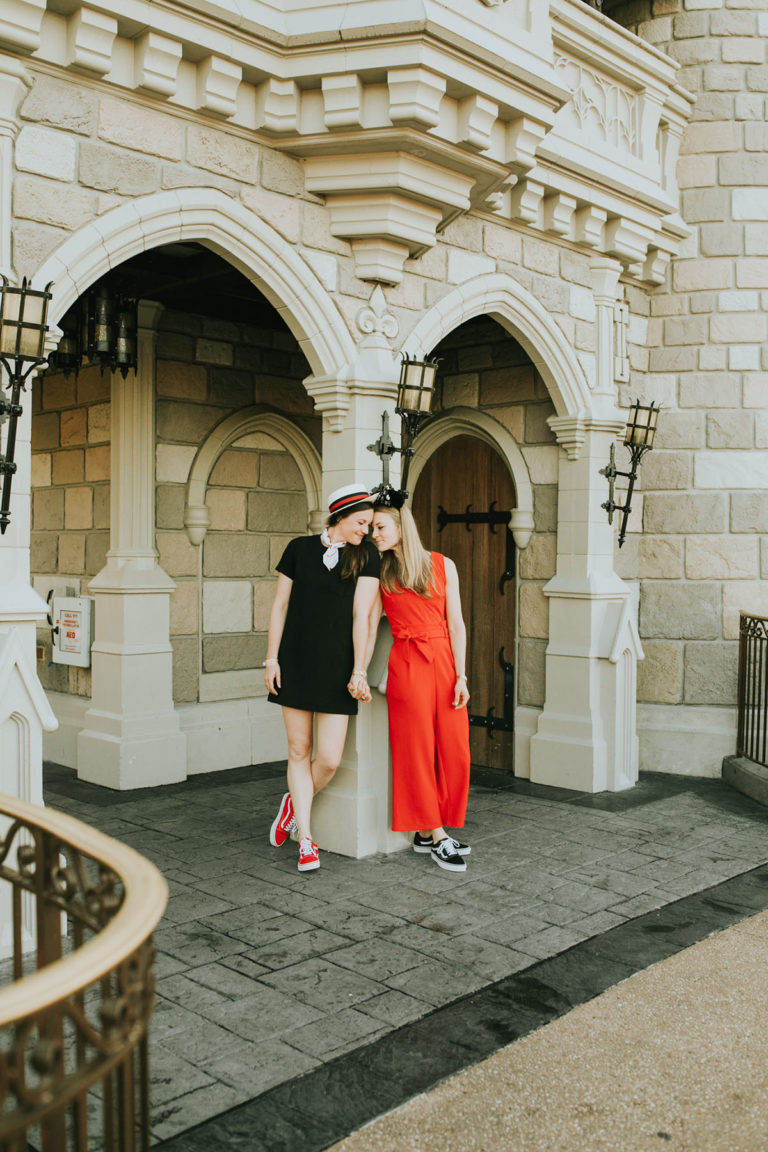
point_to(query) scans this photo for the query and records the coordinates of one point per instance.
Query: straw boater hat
(344, 499)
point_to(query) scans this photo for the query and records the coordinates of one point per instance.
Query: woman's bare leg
(331, 734)
(298, 728)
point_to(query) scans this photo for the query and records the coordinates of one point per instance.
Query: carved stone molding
(375, 320)
(603, 105)
(90, 40)
(217, 83)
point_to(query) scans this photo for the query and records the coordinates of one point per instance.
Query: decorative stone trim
(525, 201)
(558, 213)
(277, 107)
(332, 398)
(90, 39)
(20, 24)
(520, 313)
(375, 318)
(414, 97)
(262, 255)
(477, 116)
(256, 419)
(156, 64)
(217, 83)
(342, 101)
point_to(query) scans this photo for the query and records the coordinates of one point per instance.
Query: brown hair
(408, 565)
(354, 557)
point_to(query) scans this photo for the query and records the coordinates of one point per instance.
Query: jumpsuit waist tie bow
(420, 641)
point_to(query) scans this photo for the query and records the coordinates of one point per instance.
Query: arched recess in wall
(471, 422)
(228, 228)
(520, 313)
(232, 428)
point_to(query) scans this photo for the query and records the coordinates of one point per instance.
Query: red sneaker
(284, 822)
(309, 857)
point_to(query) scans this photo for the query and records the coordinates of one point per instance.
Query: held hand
(358, 687)
(460, 693)
(272, 677)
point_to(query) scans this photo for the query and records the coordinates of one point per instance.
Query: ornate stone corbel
(557, 213)
(588, 226)
(90, 40)
(525, 201)
(570, 433)
(477, 116)
(20, 24)
(277, 106)
(656, 265)
(332, 399)
(414, 97)
(523, 138)
(342, 101)
(156, 64)
(217, 83)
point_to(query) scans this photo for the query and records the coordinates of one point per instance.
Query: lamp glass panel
(641, 427)
(22, 326)
(417, 380)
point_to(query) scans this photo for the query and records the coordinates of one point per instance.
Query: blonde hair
(408, 565)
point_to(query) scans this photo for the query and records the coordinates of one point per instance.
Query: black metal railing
(77, 912)
(752, 736)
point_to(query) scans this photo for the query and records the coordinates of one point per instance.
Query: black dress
(316, 652)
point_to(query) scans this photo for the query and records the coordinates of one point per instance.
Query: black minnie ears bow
(385, 496)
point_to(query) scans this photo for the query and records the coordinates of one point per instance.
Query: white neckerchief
(331, 554)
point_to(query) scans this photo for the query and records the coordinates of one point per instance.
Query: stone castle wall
(703, 554)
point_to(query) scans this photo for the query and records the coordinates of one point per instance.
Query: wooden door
(461, 505)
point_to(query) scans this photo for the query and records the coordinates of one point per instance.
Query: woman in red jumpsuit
(426, 686)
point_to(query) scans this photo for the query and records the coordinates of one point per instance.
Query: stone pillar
(586, 737)
(132, 736)
(352, 815)
(21, 609)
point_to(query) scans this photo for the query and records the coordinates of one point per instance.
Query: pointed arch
(232, 428)
(520, 313)
(471, 422)
(228, 228)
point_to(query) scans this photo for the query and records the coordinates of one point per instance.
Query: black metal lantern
(415, 393)
(638, 437)
(23, 314)
(99, 328)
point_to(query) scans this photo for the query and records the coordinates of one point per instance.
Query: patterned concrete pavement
(266, 975)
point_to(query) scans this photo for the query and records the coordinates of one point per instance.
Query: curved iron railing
(77, 910)
(752, 734)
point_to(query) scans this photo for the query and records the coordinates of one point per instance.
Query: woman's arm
(457, 633)
(366, 594)
(373, 628)
(276, 625)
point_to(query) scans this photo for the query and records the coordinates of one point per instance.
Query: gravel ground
(673, 1058)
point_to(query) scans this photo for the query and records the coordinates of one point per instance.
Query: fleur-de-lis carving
(375, 318)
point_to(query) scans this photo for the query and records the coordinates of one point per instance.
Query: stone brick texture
(209, 369)
(70, 499)
(699, 557)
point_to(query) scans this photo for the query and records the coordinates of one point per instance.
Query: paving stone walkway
(265, 974)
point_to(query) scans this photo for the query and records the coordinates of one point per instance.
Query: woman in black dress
(316, 653)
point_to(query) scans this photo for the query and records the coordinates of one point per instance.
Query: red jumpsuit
(429, 738)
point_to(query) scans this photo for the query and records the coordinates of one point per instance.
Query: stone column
(586, 737)
(132, 736)
(352, 815)
(21, 609)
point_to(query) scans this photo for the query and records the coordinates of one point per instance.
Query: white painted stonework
(387, 179)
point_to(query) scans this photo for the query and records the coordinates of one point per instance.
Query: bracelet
(360, 672)
(461, 677)
(268, 662)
